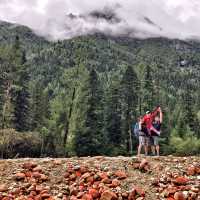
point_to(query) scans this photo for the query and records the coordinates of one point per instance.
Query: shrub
(16, 144)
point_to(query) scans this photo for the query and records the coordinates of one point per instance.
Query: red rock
(38, 188)
(136, 165)
(181, 180)
(33, 193)
(3, 188)
(115, 183)
(132, 194)
(28, 174)
(179, 196)
(125, 195)
(83, 169)
(72, 177)
(36, 175)
(191, 171)
(66, 175)
(45, 196)
(29, 165)
(43, 177)
(120, 174)
(37, 169)
(106, 181)
(108, 195)
(73, 197)
(139, 191)
(140, 198)
(81, 187)
(197, 169)
(78, 173)
(90, 179)
(103, 175)
(20, 176)
(87, 197)
(94, 193)
(85, 175)
(143, 163)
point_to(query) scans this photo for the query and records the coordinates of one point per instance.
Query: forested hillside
(81, 96)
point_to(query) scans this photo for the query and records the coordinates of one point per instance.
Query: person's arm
(154, 113)
(140, 125)
(161, 116)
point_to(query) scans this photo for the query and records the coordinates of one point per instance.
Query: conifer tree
(129, 89)
(89, 136)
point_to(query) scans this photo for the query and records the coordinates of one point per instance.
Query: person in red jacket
(149, 118)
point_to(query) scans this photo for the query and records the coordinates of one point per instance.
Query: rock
(136, 165)
(115, 183)
(94, 193)
(36, 175)
(132, 194)
(197, 169)
(45, 195)
(191, 171)
(3, 188)
(120, 174)
(29, 165)
(20, 176)
(108, 195)
(106, 181)
(194, 189)
(179, 196)
(140, 198)
(66, 175)
(181, 180)
(37, 169)
(43, 177)
(143, 163)
(85, 175)
(140, 191)
(57, 162)
(87, 197)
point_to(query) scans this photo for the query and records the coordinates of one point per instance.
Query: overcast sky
(169, 18)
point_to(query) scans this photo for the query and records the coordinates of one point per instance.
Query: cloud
(62, 19)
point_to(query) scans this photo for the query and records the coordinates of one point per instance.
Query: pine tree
(88, 132)
(112, 117)
(129, 89)
(22, 98)
(148, 99)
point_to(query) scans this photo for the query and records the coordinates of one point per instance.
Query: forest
(80, 97)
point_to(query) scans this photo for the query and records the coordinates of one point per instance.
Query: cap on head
(147, 112)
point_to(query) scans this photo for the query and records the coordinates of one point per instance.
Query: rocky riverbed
(104, 178)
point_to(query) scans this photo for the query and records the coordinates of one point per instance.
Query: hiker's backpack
(136, 129)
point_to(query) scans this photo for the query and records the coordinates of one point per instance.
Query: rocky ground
(104, 178)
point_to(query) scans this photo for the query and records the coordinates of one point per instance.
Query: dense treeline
(81, 96)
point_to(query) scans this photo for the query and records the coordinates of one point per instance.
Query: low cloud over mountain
(62, 19)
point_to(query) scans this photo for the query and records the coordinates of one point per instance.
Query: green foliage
(82, 95)
(189, 144)
(19, 144)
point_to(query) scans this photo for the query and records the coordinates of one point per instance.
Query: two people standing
(148, 130)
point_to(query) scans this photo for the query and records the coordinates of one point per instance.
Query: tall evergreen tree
(129, 89)
(22, 98)
(112, 117)
(148, 99)
(89, 136)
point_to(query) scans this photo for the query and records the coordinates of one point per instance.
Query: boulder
(108, 195)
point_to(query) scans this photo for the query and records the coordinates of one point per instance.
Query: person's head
(157, 119)
(148, 112)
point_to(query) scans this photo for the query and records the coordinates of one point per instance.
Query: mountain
(61, 78)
